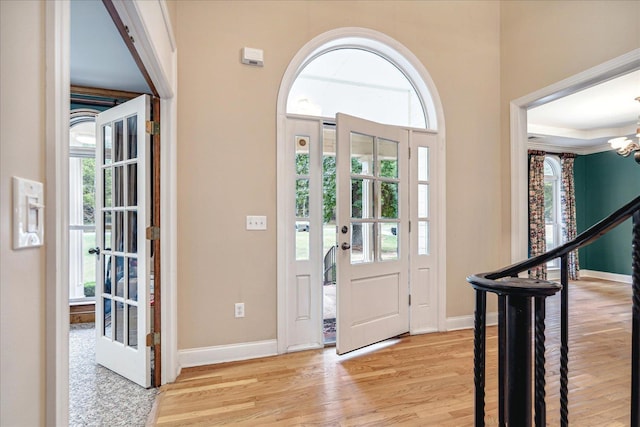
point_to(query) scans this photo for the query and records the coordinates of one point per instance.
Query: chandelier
(626, 146)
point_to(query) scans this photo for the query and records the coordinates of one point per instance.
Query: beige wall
(543, 42)
(227, 145)
(22, 325)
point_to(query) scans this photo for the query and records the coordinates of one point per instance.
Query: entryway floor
(98, 396)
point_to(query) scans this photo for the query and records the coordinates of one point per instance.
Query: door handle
(94, 251)
(345, 246)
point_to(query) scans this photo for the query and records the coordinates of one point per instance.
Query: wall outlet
(239, 309)
(256, 222)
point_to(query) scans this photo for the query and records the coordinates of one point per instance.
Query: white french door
(373, 232)
(122, 215)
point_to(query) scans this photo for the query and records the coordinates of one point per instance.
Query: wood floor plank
(422, 380)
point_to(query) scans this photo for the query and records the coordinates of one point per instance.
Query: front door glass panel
(374, 199)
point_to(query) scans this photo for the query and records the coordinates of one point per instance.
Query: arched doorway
(323, 79)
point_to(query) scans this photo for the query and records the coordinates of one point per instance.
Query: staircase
(516, 297)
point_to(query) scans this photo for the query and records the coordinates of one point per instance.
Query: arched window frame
(76, 249)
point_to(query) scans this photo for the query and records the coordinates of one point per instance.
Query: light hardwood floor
(423, 380)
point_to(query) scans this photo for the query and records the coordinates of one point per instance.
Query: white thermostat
(251, 56)
(28, 213)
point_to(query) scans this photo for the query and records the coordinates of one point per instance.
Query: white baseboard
(467, 322)
(226, 353)
(615, 277)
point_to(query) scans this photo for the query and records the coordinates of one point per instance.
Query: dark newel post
(502, 359)
(635, 334)
(519, 357)
(479, 340)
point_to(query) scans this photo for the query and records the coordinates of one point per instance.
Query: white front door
(373, 232)
(122, 215)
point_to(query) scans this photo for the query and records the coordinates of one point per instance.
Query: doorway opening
(324, 79)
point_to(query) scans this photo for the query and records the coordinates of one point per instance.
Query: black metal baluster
(539, 399)
(635, 333)
(564, 342)
(479, 342)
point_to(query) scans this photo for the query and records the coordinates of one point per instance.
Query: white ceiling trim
(581, 134)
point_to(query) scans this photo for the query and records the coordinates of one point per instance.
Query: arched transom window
(358, 82)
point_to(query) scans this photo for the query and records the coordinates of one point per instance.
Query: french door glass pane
(119, 232)
(387, 158)
(361, 154)
(132, 280)
(118, 142)
(119, 276)
(132, 236)
(132, 137)
(119, 321)
(388, 233)
(118, 186)
(362, 198)
(132, 339)
(107, 330)
(423, 200)
(108, 244)
(132, 184)
(362, 243)
(108, 194)
(423, 163)
(389, 200)
(108, 274)
(107, 145)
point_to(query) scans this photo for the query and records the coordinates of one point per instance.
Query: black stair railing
(515, 296)
(329, 264)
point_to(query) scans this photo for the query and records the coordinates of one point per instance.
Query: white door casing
(373, 281)
(122, 215)
(429, 314)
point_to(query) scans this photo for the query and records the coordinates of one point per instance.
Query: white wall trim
(56, 283)
(57, 62)
(518, 134)
(467, 322)
(226, 353)
(412, 67)
(614, 277)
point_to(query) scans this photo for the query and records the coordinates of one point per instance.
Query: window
(552, 215)
(359, 83)
(82, 229)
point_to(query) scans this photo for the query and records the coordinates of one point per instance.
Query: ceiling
(583, 120)
(589, 118)
(99, 56)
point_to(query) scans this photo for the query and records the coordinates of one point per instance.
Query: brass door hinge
(153, 128)
(153, 233)
(153, 339)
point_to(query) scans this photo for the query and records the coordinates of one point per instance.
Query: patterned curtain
(537, 240)
(568, 205)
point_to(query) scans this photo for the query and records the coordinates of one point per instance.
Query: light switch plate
(256, 222)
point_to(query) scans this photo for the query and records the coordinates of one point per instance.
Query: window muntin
(356, 82)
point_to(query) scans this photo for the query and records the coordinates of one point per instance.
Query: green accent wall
(603, 183)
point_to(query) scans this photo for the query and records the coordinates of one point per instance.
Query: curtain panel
(568, 206)
(537, 238)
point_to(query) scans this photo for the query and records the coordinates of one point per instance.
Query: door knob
(345, 246)
(95, 251)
